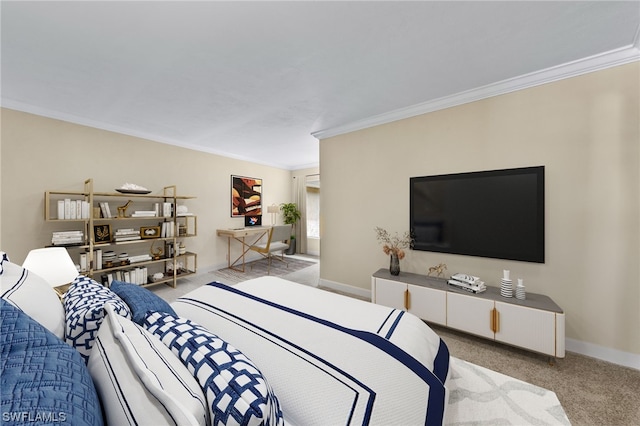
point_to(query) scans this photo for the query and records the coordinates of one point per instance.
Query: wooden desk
(239, 234)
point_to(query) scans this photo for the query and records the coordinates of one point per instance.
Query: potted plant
(291, 215)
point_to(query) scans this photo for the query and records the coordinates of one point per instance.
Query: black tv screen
(496, 214)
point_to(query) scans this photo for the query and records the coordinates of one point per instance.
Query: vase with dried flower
(394, 246)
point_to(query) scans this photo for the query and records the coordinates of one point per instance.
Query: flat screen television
(496, 214)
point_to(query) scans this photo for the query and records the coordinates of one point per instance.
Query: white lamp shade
(273, 209)
(53, 264)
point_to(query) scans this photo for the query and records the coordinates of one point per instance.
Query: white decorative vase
(520, 290)
(506, 288)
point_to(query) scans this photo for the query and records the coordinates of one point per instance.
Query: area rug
(258, 268)
(481, 396)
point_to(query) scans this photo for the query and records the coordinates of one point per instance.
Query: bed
(264, 351)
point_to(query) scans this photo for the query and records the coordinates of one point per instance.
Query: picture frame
(149, 232)
(102, 233)
(246, 196)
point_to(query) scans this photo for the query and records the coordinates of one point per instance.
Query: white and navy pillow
(139, 379)
(32, 294)
(84, 311)
(236, 391)
(140, 300)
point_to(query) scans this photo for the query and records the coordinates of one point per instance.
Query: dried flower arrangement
(393, 244)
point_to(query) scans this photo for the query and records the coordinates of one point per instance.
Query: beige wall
(585, 130)
(40, 154)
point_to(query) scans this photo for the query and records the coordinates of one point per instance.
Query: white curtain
(300, 198)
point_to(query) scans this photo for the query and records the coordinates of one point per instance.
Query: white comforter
(330, 359)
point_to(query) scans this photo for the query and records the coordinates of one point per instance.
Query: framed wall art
(102, 233)
(149, 232)
(246, 196)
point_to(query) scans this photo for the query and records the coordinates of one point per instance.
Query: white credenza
(536, 323)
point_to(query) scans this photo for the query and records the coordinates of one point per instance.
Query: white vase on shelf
(506, 288)
(520, 290)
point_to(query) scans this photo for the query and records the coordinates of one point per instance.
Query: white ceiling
(256, 80)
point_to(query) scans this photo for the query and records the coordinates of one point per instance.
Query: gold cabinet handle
(494, 320)
(407, 299)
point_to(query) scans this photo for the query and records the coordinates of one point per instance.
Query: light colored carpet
(592, 392)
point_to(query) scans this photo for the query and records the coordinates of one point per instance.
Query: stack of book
(144, 213)
(126, 234)
(467, 283)
(140, 258)
(63, 238)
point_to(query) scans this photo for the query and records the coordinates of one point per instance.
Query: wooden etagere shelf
(109, 222)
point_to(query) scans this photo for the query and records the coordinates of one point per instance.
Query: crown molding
(587, 65)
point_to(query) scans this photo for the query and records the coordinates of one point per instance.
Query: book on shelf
(60, 238)
(140, 258)
(83, 262)
(167, 209)
(144, 213)
(126, 234)
(168, 229)
(69, 209)
(105, 210)
(97, 259)
(138, 275)
(128, 238)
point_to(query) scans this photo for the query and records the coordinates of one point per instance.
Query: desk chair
(278, 240)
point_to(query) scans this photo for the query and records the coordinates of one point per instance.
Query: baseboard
(614, 356)
(356, 291)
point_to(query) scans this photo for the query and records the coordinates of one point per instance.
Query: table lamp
(273, 209)
(53, 264)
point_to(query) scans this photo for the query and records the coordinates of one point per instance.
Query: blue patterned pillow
(84, 312)
(236, 391)
(43, 380)
(140, 300)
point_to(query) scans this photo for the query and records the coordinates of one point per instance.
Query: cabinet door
(428, 304)
(470, 314)
(390, 293)
(525, 327)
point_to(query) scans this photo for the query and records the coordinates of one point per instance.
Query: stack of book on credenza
(467, 283)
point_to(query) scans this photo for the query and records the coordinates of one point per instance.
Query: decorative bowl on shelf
(132, 188)
(132, 191)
